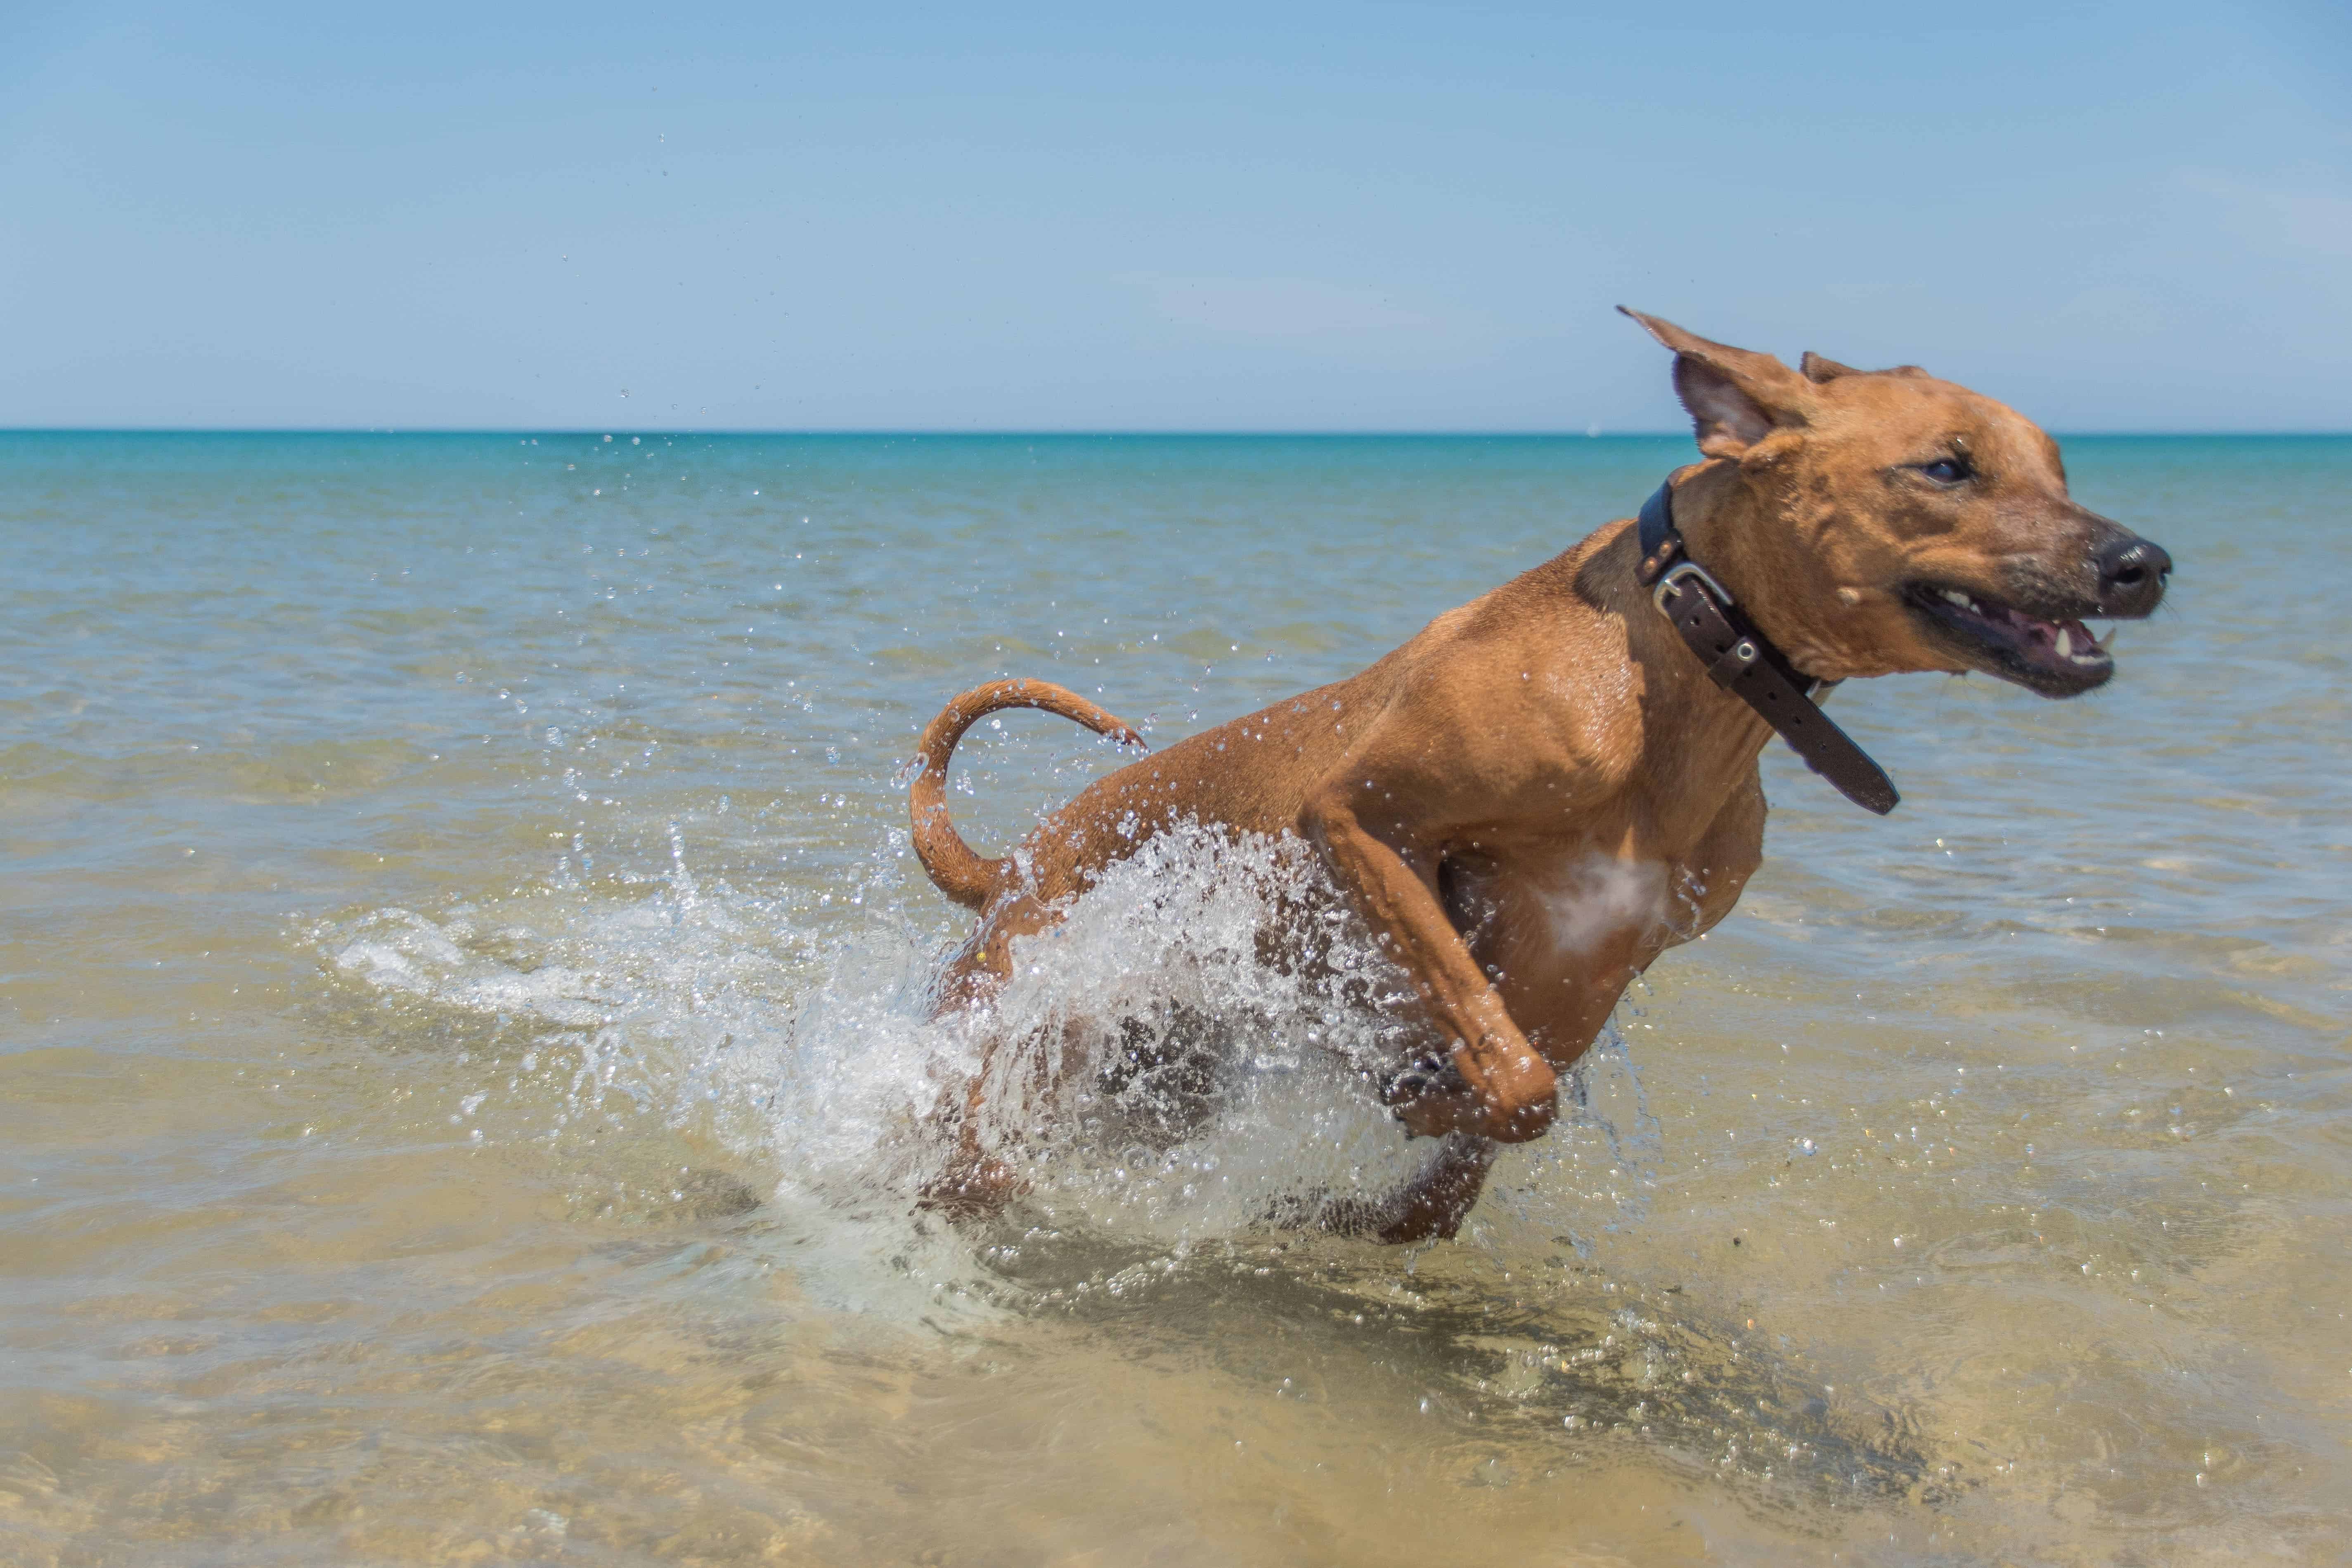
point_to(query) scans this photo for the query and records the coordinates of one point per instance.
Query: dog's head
(1878, 521)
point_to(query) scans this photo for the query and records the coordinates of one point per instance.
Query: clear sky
(2127, 215)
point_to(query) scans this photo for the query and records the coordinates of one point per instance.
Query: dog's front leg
(1430, 1207)
(1512, 1091)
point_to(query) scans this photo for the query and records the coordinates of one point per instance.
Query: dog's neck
(1739, 524)
(1713, 686)
(1721, 517)
(1698, 741)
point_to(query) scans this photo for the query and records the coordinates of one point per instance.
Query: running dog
(1516, 799)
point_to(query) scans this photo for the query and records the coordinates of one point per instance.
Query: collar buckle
(1671, 583)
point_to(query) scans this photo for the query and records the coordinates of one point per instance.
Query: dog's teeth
(2108, 641)
(1962, 600)
(2065, 643)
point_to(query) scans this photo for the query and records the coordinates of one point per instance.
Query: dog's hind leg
(976, 1182)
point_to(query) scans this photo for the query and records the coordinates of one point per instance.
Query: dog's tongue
(2066, 640)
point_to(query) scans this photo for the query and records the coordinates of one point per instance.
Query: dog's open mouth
(2056, 656)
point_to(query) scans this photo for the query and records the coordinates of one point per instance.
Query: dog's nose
(2131, 575)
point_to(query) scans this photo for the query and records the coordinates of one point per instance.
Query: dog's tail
(954, 866)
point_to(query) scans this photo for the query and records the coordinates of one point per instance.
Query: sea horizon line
(939, 433)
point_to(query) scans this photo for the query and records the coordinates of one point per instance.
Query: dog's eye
(1947, 470)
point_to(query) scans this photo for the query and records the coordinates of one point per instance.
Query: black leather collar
(1657, 522)
(1741, 660)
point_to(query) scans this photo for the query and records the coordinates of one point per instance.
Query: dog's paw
(1422, 1077)
(1428, 1094)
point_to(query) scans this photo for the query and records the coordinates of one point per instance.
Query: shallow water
(462, 1045)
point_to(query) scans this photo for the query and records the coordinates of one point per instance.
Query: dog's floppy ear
(1735, 396)
(1819, 368)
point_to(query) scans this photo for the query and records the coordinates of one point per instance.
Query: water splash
(1192, 1046)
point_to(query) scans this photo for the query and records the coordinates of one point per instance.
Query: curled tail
(954, 866)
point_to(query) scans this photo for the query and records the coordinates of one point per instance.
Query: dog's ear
(1736, 397)
(1819, 368)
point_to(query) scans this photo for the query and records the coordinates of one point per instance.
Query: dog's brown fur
(1542, 791)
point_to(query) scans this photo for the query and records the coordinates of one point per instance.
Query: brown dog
(1516, 799)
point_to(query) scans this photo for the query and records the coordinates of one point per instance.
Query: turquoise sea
(462, 1045)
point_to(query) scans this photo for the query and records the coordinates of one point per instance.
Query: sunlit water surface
(463, 1042)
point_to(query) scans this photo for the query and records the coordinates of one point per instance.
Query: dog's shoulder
(1532, 682)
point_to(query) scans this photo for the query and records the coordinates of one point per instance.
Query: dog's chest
(1581, 911)
(1591, 902)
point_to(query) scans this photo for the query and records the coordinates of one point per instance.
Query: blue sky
(2114, 216)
